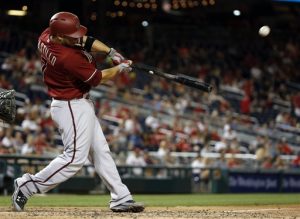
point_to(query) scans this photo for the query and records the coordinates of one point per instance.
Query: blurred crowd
(146, 119)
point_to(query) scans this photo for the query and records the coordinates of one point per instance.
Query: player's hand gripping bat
(182, 79)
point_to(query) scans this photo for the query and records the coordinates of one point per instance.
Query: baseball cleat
(18, 199)
(129, 206)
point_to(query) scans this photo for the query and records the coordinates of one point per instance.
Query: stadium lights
(16, 13)
(115, 14)
(166, 5)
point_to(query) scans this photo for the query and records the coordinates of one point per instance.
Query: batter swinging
(69, 73)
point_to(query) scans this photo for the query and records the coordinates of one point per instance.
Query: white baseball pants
(83, 139)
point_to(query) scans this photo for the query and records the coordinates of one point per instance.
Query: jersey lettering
(46, 54)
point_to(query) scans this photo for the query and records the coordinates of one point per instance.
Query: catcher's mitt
(7, 105)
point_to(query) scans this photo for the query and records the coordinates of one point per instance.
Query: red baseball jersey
(69, 72)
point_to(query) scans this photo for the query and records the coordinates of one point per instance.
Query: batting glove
(116, 57)
(124, 67)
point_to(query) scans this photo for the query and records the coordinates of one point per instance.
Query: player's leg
(105, 167)
(75, 119)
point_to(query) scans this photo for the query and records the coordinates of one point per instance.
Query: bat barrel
(190, 82)
(182, 79)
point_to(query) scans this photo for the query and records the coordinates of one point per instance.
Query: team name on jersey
(46, 53)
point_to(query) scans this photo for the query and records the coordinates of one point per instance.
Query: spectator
(220, 162)
(135, 158)
(30, 121)
(217, 104)
(221, 146)
(197, 166)
(283, 147)
(296, 161)
(41, 145)
(206, 149)
(296, 104)
(267, 163)
(28, 148)
(131, 124)
(279, 163)
(149, 160)
(18, 141)
(200, 173)
(256, 143)
(3, 150)
(229, 134)
(245, 105)
(169, 160)
(2, 133)
(7, 141)
(152, 121)
(183, 145)
(261, 153)
(118, 141)
(234, 146)
(197, 140)
(234, 162)
(163, 149)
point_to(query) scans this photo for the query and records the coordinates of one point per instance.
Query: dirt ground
(280, 211)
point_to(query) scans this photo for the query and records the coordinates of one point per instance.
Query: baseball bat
(179, 78)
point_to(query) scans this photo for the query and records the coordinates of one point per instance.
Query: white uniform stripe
(91, 76)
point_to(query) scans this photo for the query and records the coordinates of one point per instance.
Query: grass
(53, 200)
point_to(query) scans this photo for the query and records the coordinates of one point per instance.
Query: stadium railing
(161, 178)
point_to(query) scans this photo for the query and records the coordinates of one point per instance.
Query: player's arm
(95, 45)
(110, 73)
(85, 71)
(92, 44)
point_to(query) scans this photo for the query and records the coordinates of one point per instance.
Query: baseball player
(69, 73)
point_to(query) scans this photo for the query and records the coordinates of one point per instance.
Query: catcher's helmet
(66, 23)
